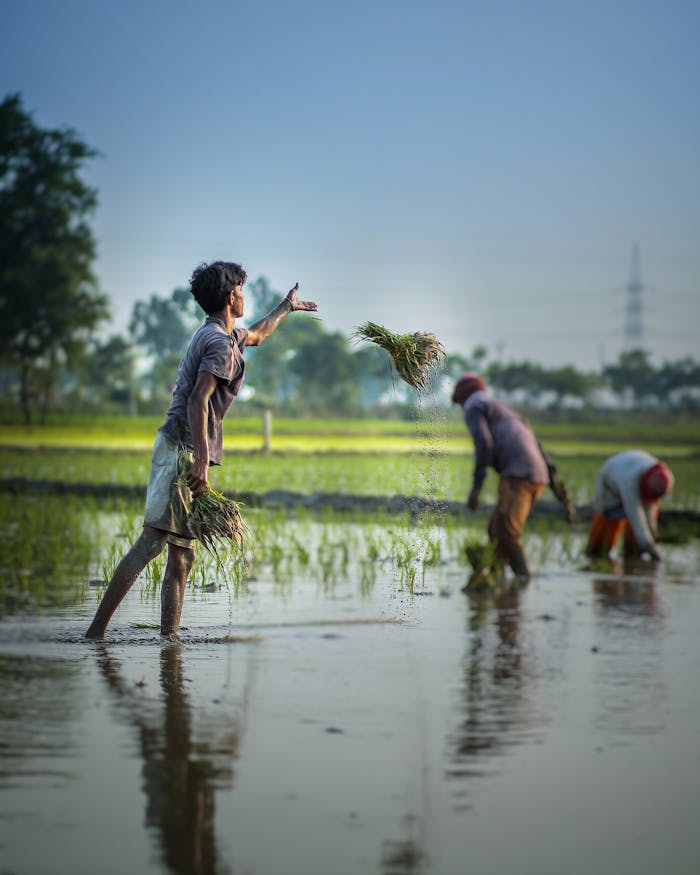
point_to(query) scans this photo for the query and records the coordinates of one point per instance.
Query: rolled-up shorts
(168, 498)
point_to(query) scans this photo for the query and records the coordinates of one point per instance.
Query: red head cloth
(465, 386)
(655, 482)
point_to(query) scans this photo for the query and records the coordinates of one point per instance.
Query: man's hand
(296, 304)
(197, 476)
(473, 500)
(654, 554)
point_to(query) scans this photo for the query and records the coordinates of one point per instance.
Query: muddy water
(307, 729)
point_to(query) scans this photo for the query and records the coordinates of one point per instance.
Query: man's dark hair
(211, 283)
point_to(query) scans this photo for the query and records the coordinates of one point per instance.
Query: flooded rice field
(347, 709)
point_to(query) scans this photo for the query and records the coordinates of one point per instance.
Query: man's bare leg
(149, 544)
(172, 593)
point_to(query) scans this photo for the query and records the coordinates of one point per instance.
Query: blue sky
(481, 170)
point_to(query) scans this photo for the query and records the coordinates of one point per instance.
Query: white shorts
(168, 498)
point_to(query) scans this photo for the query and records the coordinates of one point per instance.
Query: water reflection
(633, 591)
(630, 678)
(38, 693)
(402, 857)
(497, 704)
(180, 773)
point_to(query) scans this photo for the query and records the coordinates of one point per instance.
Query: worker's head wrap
(466, 385)
(655, 482)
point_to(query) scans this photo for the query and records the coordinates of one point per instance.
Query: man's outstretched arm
(264, 327)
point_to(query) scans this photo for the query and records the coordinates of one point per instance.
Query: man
(503, 440)
(629, 488)
(209, 378)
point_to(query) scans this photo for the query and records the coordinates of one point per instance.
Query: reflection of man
(179, 777)
(629, 488)
(627, 594)
(495, 703)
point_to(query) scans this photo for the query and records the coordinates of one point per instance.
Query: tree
(567, 381)
(49, 303)
(524, 377)
(109, 371)
(164, 326)
(374, 373)
(677, 384)
(456, 364)
(263, 297)
(327, 375)
(631, 375)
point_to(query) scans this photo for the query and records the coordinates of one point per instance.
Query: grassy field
(359, 457)
(427, 459)
(362, 435)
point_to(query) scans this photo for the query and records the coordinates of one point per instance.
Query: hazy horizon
(482, 172)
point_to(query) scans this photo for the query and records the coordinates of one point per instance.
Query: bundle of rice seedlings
(413, 355)
(213, 519)
(487, 569)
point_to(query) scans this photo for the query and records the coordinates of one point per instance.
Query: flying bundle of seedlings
(213, 519)
(413, 355)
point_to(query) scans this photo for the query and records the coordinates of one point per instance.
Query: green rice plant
(303, 554)
(414, 356)
(480, 554)
(326, 554)
(276, 557)
(199, 573)
(238, 571)
(406, 554)
(431, 550)
(344, 552)
(487, 568)
(155, 570)
(387, 471)
(111, 560)
(371, 562)
(48, 549)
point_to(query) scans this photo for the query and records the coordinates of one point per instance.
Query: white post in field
(267, 430)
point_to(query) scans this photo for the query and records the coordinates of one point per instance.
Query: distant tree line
(54, 355)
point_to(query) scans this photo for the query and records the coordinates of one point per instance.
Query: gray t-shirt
(617, 493)
(214, 350)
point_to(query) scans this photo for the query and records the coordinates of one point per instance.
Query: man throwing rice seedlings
(209, 377)
(504, 441)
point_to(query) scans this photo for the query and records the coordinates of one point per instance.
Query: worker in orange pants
(629, 488)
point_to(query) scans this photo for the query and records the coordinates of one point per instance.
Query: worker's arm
(198, 418)
(264, 327)
(637, 518)
(483, 451)
(557, 486)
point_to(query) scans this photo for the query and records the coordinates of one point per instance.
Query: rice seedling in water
(487, 568)
(111, 561)
(303, 555)
(153, 574)
(406, 555)
(414, 355)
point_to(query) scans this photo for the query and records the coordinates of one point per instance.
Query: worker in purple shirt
(504, 441)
